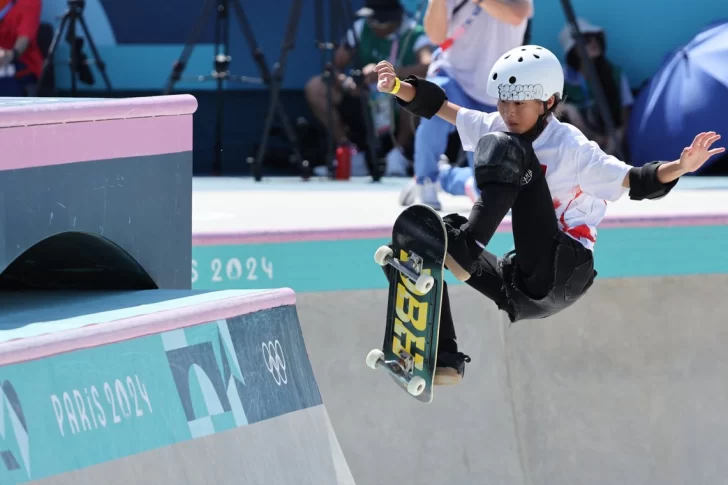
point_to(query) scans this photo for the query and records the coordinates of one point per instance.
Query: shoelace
(466, 358)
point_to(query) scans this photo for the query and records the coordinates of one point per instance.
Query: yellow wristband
(396, 87)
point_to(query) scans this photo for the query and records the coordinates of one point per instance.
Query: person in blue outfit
(471, 35)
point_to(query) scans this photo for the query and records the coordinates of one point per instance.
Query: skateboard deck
(411, 334)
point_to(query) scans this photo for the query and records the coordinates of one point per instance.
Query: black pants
(536, 237)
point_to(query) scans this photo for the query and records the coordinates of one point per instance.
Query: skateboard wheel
(424, 283)
(380, 257)
(374, 357)
(416, 386)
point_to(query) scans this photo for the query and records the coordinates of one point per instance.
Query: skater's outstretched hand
(385, 76)
(387, 82)
(694, 156)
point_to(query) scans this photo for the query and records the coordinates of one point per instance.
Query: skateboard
(411, 334)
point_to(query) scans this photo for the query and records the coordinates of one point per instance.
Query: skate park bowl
(629, 385)
(112, 368)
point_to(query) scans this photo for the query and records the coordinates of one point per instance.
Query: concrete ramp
(161, 386)
(627, 386)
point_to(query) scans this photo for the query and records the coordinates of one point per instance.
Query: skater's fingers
(386, 72)
(711, 139)
(705, 141)
(696, 141)
(716, 151)
(382, 66)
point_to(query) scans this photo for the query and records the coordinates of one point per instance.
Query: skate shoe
(425, 193)
(450, 368)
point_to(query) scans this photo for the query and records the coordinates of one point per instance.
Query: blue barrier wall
(140, 39)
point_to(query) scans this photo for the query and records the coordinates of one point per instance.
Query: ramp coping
(44, 111)
(141, 325)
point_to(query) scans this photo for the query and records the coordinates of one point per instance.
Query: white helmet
(526, 72)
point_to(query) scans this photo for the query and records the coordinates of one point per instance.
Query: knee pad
(503, 158)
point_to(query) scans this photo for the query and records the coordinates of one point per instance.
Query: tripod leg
(290, 133)
(372, 157)
(275, 84)
(327, 73)
(181, 63)
(99, 62)
(259, 59)
(74, 52)
(222, 38)
(52, 50)
(256, 52)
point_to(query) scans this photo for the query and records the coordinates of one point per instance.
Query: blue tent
(687, 95)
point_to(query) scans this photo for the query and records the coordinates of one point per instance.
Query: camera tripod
(70, 17)
(592, 77)
(272, 79)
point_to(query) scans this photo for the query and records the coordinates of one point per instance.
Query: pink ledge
(95, 335)
(56, 144)
(42, 111)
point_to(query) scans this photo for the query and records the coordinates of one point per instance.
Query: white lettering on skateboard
(410, 322)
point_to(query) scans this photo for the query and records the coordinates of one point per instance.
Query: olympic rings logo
(275, 361)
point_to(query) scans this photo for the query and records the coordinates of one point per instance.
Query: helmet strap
(540, 125)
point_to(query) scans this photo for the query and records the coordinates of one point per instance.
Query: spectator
(385, 32)
(21, 60)
(579, 107)
(472, 35)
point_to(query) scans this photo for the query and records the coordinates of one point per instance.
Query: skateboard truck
(411, 269)
(400, 369)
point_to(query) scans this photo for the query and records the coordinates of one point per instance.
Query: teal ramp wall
(349, 264)
(90, 406)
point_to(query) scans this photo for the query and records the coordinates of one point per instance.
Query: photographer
(384, 31)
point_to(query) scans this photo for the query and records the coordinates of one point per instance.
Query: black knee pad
(574, 275)
(504, 158)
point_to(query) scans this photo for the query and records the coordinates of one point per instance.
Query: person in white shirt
(554, 180)
(471, 35)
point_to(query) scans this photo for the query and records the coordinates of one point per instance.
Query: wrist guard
(644, 184)
(429, 97)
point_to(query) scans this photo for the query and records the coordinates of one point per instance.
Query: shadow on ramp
(627, 386)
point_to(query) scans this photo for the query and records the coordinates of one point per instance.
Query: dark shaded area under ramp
(627, 386)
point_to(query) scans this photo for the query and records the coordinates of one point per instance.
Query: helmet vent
(495, 76)
(512, 80)
(520, 59)
(537, 57)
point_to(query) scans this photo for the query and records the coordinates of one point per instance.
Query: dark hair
(572, 57)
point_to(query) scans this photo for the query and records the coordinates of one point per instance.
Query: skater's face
(521, 116)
